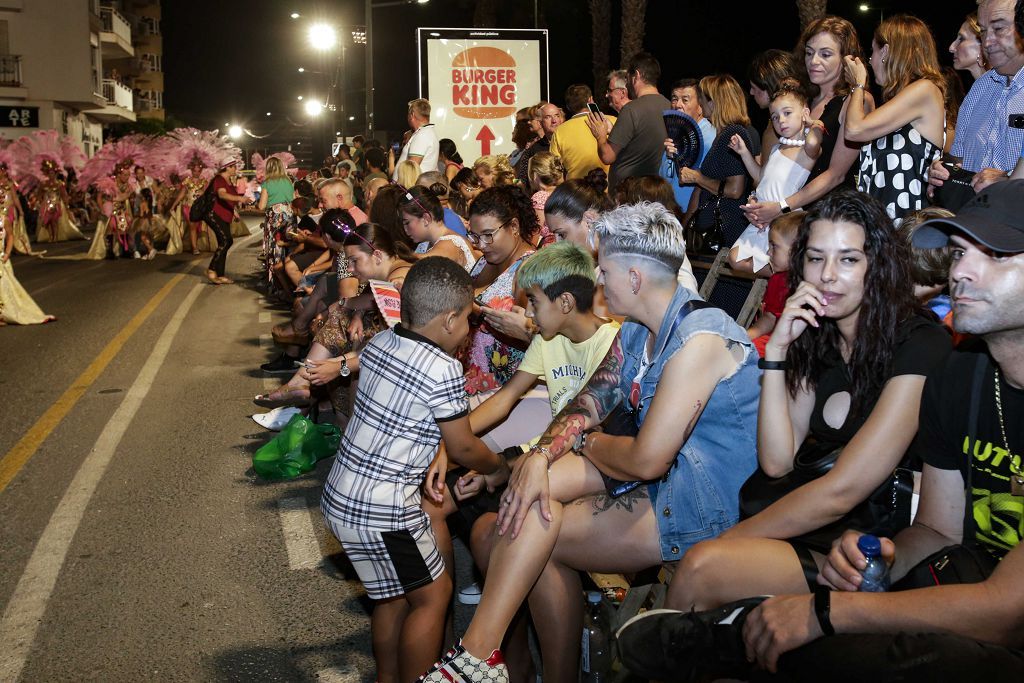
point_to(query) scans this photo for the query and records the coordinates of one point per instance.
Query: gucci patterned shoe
(458, 666)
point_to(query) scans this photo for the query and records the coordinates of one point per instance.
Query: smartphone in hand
(594, 109)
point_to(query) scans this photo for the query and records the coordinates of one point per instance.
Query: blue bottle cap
(593, 596)
(869, 545)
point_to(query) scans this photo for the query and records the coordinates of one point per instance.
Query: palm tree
(486, 14)
(600, 37)
(810, 10)
(633, 17)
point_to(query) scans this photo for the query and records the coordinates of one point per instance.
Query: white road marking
(24, 612)
(266, 341)
(299, 536)
(264, 316)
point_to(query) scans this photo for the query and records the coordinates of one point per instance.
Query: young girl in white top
(785, 171)
(423, 221)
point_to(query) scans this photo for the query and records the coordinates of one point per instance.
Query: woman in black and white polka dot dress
(906, 133)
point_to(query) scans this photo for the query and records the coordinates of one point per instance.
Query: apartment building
(143, 70)
(52, 76)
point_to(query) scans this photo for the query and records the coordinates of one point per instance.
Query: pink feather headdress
(207, 147)
(130, 151)
(10, 159)
(44, 148)
(260, 164)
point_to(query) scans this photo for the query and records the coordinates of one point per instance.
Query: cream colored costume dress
(16, 306)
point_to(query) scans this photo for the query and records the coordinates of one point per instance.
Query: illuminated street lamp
(295, 15)
(313, 107)
(322, 36)
(235, 131)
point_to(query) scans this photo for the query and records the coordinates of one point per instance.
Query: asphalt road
(137, 543)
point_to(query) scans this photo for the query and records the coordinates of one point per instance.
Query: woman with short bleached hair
(685, 377)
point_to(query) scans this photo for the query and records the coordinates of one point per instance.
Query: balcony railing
(114, 22)
(116, 94)
(10, 70)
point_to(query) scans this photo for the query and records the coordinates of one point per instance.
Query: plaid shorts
(391, 563)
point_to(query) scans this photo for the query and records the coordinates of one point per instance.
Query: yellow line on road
(15, 459)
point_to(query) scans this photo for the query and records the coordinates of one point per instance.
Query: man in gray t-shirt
(636, 143)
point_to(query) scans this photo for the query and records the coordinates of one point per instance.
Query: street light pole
(370, 4)
(369, 69)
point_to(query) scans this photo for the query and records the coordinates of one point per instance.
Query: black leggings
(222, 231)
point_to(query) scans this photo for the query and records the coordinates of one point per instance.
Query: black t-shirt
(830, 117)
(942, 442)
(922, 345)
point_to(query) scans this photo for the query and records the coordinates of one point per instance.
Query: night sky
(236, 61)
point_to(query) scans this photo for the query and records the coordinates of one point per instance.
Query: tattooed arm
(684, 389)
(529, 481)
(590, 406)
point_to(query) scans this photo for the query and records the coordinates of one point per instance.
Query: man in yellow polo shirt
(572, 141)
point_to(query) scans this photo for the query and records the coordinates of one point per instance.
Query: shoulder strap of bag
(972, 432)
(685, 310)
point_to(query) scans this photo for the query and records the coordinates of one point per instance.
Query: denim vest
(699, 496)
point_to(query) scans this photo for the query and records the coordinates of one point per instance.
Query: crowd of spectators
(559, 395)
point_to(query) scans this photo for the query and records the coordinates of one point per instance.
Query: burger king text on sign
(483, 83)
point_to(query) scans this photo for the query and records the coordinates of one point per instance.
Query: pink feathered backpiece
(131, 150)
(259, 164)
(31, 152)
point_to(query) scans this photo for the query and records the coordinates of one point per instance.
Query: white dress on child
(780, 178)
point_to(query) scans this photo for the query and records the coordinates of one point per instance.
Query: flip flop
(290, 397)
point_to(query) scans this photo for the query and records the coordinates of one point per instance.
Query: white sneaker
(151, 255)
(276, 419)
(136, 254)
(470, 595)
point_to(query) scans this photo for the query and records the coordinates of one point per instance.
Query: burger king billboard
(476, 81)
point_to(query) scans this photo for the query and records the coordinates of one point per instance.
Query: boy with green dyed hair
(571, 341)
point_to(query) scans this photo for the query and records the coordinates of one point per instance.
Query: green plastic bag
(296, 449)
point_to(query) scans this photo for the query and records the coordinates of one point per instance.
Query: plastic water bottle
(597, 654)
(876, 573)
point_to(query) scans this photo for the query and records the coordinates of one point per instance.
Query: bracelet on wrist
(771, 364)
(823, 609)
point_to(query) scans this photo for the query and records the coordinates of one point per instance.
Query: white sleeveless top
(467, 254)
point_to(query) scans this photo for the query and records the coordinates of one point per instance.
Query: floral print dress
(490, 362)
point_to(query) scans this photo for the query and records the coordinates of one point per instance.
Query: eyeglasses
(486, 237)
(347, 230)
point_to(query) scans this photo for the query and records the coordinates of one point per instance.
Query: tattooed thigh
(602, 502)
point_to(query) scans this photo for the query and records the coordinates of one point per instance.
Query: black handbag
(711, 239)
(883, 513)
(203, 205)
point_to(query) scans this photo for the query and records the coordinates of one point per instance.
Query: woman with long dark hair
(844, 369)
(822, 47)
(448, 157)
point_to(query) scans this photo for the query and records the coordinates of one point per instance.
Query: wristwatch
(344, 371)
(580, 443)
(784, 206)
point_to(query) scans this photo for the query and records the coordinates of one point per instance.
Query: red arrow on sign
(486, 137)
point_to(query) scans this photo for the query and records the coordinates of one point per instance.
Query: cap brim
(993, 234)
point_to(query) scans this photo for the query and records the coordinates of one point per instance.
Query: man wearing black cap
(971, 438)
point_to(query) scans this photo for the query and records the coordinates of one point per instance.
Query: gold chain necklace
(1016, 474)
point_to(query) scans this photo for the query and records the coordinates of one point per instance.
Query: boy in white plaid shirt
(411, 394)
